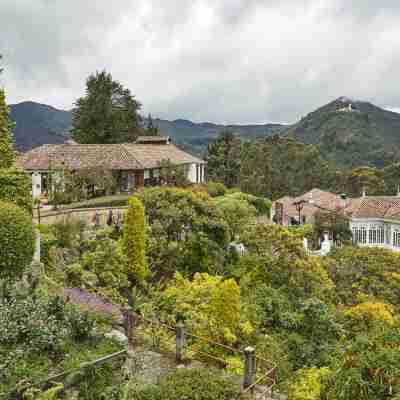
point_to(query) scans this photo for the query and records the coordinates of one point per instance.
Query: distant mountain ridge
(351, 133)
(196, 136)
(348, 132)
(38, 124)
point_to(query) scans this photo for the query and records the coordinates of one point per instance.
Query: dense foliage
(15, 187)
(193, 384)
(223, 159)
(7, 152)
(329, 323)
(134, 241)
(17, 240)
(108, 113)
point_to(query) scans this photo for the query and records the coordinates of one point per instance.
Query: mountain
(351, 133)
(38, 124)
(196, 136)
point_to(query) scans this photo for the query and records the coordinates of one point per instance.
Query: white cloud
(216, 60)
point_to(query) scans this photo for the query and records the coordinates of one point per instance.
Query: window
(381, 234)
(360, 234)
(396, 238)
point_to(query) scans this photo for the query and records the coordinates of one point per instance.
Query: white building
(375, 221)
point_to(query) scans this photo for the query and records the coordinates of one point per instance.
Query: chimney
(343, 201)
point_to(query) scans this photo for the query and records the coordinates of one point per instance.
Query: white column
(192, 173)
(36, 256)
(36, 184)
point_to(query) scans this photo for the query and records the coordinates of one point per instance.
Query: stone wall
(86, 214)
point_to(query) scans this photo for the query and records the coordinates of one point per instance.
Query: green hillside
(366, 135)
(38, 124)
(195, 137)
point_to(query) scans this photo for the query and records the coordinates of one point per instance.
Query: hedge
(16, 187)
(119, 200)
(17, 240)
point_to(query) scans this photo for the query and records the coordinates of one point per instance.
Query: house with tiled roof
(134, 164)
(302, 209)
(375, 221)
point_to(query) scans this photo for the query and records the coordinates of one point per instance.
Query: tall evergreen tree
(151, 129)
(223, 159)
(108, 113)
(7, 151)
(134, 241)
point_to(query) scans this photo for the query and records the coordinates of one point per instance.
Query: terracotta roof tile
(376, 207)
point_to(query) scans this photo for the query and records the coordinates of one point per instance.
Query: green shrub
(41, 325)
(68, 231)
(48, 240)
(134, 241)
(74, 275)
(7, 151)
(119, 200)
(17, 240)
(307, 384)
(194, 384)
(215, 189)
(16, 187)
(81, 324)
(261, 204)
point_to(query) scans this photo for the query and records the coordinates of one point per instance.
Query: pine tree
(151, 129)
(108, 113)
(134, 241)
(7, 151)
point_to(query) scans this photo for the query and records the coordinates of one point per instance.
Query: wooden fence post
(180, 341)
(249, 367)
(129, 324)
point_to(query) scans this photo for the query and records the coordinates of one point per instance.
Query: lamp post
(299, 207)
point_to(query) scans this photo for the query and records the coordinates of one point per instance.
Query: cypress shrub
(134, 241)
(17, 240)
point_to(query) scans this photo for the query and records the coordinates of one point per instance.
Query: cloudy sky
(232, 61)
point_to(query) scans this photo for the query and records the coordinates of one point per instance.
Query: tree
(15, 187)
(151, 129)
(210, 304)
(279, 166)
(7, 152)
(108, 113)
(333, 222)
(223, 159)
(173, 175)
(134, 241)
(188, 233)
(17, 241)
(236, 212)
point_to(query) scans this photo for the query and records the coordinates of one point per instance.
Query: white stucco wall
(192, 173)
(36, 184)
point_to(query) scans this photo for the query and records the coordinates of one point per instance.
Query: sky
(225, 61)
